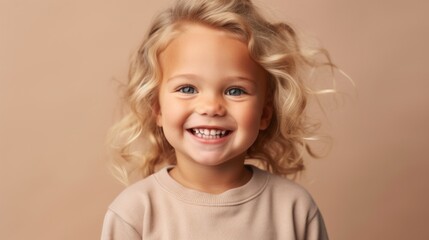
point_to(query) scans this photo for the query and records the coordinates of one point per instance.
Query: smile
(206, 133)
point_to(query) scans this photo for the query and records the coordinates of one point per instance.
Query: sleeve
(316, 229)
(116, 228)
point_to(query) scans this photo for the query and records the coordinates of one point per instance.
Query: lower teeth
(208, 136)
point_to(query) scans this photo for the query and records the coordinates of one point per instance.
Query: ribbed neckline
(234, 196)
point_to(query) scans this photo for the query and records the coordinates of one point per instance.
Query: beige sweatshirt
(267, 207)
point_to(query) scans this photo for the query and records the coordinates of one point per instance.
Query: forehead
(199, 49)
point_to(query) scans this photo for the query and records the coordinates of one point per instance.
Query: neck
(211, 179)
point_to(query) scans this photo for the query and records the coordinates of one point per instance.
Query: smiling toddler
(214, 86)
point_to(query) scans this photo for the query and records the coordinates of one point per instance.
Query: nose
(211, 105)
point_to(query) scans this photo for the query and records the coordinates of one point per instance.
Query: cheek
(171, 113)
(249, 117)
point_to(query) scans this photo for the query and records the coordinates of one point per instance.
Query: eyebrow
(188, 76)
(196, 77)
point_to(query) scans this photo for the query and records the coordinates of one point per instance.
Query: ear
(156, 112)
(267, 113)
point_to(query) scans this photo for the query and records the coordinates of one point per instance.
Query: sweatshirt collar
(235, 196)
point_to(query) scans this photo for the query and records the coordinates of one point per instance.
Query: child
(213, 86)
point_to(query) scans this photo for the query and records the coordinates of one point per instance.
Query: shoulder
(284, 185)
(289, 193)
(132, 202)
(292, 208)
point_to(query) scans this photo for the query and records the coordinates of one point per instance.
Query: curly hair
(139, 142)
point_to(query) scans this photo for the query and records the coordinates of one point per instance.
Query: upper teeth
(207, 132)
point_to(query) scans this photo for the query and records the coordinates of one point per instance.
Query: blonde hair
(140, 143)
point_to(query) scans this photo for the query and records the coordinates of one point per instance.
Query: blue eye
(235, 92)
(187, 90)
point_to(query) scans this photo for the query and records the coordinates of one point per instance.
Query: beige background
(58, 64)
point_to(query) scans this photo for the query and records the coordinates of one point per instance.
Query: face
(212, 97)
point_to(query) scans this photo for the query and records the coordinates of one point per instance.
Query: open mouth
(209, 133)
